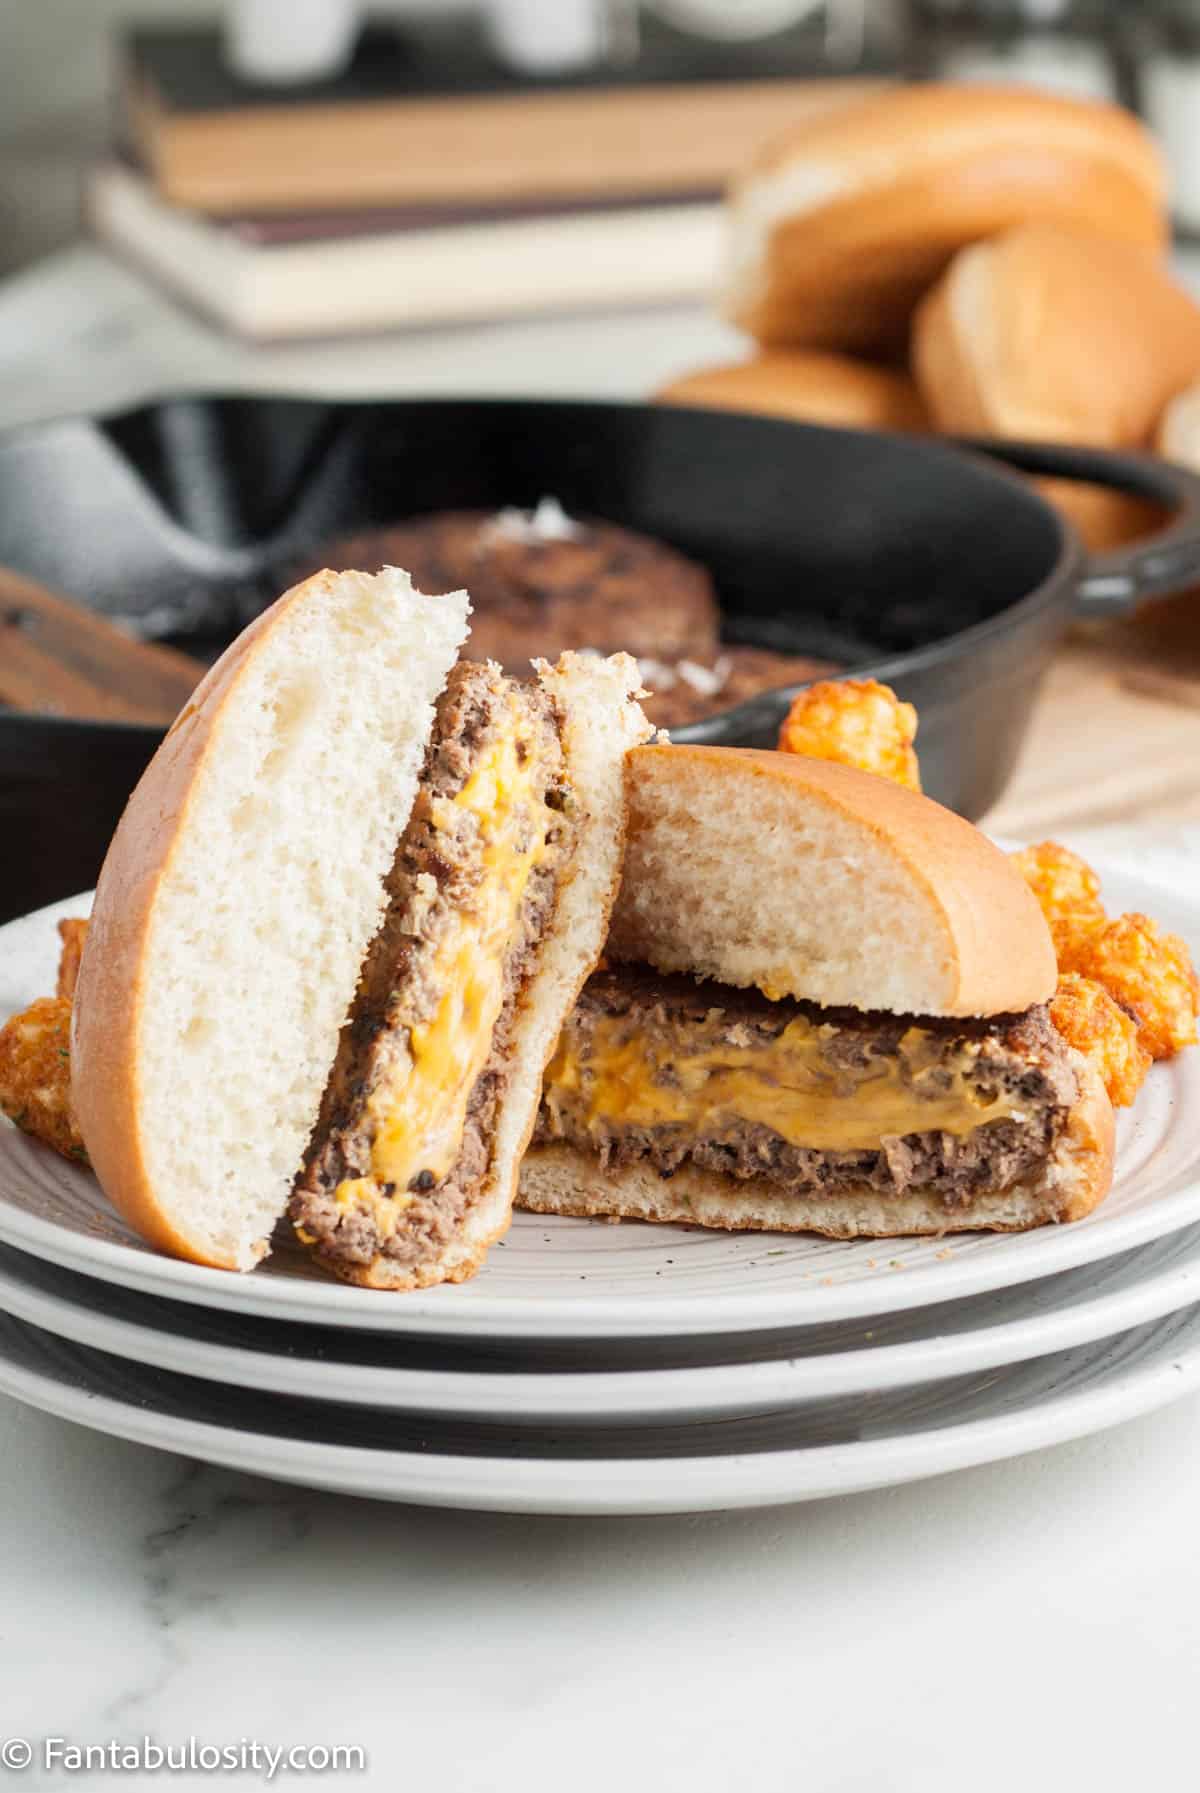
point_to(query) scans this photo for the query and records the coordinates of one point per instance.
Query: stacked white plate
(594, 1368)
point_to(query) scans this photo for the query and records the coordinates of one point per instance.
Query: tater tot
(35, 1075)
(1147, 972)
(857, 722)
(1063, 883)
(1073, 935)
(1088, 1019)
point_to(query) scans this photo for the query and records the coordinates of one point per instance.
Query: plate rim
(545, 1397)
(558, 1318)
(633, 1485)
(1002, 1262)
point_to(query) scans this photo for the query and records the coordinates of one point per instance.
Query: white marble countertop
(1033, 1625)
(1036, 1624)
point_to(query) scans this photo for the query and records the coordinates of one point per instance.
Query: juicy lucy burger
(338, 929)
(823, 1009)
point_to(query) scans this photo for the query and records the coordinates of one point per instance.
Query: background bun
(1178, 436)
(808, 385)
(814, 880)
(1049, 335)
(839, 227)
(1103, 518)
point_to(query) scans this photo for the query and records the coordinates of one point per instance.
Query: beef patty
(666, 1072)
(402, 1145)
(540, 591)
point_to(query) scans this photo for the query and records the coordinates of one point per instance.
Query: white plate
(579, 1279)
(609, 1382)
(837, 1447)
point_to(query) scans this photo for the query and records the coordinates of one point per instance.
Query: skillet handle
(1152, 567)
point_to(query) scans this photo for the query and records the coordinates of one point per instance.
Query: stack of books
(429, 184)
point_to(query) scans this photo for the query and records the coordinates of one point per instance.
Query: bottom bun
(558, 1179)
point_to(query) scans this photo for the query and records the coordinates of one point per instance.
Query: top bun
(805, 384)
(841, 226)
(1050, 335)
(242, 887)
(813, 880)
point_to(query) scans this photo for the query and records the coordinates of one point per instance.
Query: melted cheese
(365, 1194)
(785, 1084)
(419, 1113)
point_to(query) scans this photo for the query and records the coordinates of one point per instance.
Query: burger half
(338, 929)
(823, 1010)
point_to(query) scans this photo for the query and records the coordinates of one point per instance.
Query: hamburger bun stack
(971, 260)
(839, 229)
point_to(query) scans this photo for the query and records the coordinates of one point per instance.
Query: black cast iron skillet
(923, 563)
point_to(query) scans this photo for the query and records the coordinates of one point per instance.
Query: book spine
(448, 274)
(675, 140)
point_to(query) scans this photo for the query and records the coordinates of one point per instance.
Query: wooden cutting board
(1115, 735)
(62, 660)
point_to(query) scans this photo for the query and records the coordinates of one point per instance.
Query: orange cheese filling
(419, 1113)
(785, 1084)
